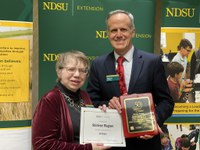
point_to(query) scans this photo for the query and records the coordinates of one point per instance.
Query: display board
(180, 20)
(16, 34)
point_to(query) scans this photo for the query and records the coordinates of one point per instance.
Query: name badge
(111, 78)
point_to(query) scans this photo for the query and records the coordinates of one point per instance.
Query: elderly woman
(56, 121)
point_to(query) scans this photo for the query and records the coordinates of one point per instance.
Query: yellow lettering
(169, 12)
(191, 14)
(50, 57)
(89, 8)
(45, 6)
(101, 34)
(143, 36)
(55, 6)
(180, 12)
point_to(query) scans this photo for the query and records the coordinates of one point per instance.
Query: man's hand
(147, 137)
(115, 104)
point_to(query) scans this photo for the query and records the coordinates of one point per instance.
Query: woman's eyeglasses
(72, 70)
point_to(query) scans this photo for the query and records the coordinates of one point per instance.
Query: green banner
(184, 13)
(80, 25)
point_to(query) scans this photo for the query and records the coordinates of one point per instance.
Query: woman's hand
(103, 107)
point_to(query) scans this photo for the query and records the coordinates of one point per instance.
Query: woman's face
(73, 75)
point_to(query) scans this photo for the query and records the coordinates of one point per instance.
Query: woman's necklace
(76, 106)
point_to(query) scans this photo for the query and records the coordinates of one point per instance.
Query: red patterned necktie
(120, 71)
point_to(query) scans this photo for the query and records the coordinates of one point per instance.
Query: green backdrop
(80, 25)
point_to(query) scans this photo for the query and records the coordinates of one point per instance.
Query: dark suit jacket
(147, 75)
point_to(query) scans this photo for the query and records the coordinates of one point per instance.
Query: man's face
(120, 33)
(185, 51)
(178, 77)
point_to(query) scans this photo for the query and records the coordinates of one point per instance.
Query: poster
(16, 38)
(14, 70)
(15, 84)
(180, 22)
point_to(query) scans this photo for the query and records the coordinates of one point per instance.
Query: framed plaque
(138, 115)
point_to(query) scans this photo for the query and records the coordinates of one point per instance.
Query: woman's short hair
(65, 57)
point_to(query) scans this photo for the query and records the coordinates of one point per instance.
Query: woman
(56, 120)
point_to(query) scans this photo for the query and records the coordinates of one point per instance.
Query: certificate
(101, 127)
(138, 115)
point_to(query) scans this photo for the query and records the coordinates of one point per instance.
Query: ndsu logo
(50, 57)
(55, 6)
(101, 34)
(180, 12)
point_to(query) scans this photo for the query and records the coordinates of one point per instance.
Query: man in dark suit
(144, 72)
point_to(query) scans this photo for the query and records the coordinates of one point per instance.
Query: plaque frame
(135, 110)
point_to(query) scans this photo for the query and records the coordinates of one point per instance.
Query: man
(184, 49)
(176, 86)
(193, 136)
(195, 73)
(195, 64)
(144, 72)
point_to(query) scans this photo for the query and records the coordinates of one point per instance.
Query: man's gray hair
(132, 25)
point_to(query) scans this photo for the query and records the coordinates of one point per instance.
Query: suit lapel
(111, 70)
(136, 70)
